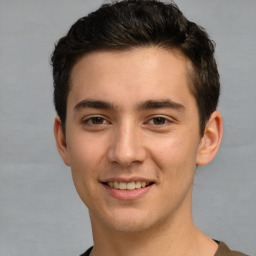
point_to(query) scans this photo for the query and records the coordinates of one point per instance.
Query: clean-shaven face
(132, 137)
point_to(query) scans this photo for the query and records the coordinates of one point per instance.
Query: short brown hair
(136, 23)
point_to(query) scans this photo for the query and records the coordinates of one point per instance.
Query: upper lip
(127, 180)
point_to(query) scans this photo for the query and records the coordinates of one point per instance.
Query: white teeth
(129, 185)
(122, 185)
(116, 185)
(143, 184)
(138, 184)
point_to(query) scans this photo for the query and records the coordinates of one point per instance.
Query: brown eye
(97, 120)
(159, 120)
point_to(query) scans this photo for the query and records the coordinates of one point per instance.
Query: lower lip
(128, 194)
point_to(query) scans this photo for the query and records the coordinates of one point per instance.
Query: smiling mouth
(128, 185)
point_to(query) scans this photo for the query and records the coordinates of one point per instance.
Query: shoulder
(223, 250)
(87, 253)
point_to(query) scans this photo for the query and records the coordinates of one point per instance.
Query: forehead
(125, 76)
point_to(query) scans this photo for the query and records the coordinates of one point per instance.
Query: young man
(136, 91)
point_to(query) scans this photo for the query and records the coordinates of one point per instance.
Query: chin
(129, 225)
(130, 221)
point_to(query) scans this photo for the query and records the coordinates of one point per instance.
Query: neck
(175, 236)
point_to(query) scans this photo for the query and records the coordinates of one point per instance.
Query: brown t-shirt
(223, 250)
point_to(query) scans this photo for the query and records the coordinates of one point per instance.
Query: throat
(160, 240)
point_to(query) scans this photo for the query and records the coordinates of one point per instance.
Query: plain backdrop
(40, 212)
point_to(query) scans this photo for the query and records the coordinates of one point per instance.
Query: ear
(61, 140)
(211, 139)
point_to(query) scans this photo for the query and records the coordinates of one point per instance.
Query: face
(132, 137)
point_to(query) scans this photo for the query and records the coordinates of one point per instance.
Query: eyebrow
(146, 105)
(94, 104)
(155, 104)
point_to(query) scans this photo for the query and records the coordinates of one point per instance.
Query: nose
(126, 147)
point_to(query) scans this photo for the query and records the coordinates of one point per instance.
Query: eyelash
(163, 121)
(98, 120)
(90, 120)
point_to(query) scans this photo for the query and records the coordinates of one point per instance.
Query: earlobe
(210, 142)
(61, 140)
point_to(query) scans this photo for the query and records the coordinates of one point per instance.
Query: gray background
(40, 212)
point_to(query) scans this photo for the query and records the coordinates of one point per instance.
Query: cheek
(175, 155)
(176, 162)
(167, 150)
(84, 150)
(86, 156)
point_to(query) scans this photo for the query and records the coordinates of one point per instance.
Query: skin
(128, 138)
